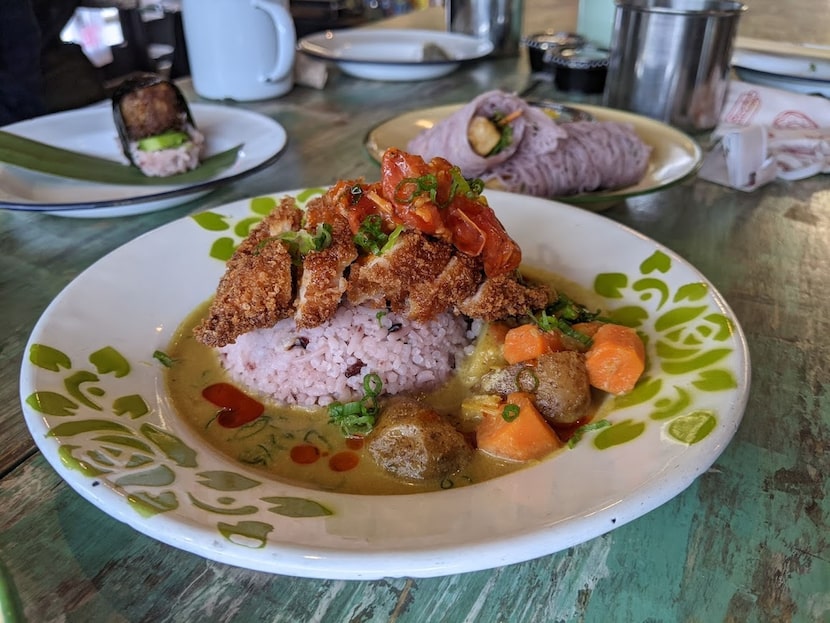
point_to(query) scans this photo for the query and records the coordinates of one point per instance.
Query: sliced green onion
(562, 314)
(357, 418)
(510, 412)
(468, 187)
(580, 337)
(526, 374)
(506, 133)
(393, 237)
(565, 308)
(476, 185)
(370, 236)
(380, 316)
(372, 384)
(322, 237)
(301, 242)
(426, 184)
(165, 359)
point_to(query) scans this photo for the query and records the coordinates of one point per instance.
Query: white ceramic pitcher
(240, 49)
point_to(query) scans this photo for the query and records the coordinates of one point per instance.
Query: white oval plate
(675, 156)
(92, 131)
(95, 402)
(811, 62)
(393, 55)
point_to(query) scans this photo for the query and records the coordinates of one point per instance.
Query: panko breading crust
(257, 287)
(419, 276)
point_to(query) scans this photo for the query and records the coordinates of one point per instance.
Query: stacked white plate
(802, 68)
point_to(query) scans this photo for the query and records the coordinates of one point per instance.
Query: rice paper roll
(532, 131)
(595, 155)
(155, 127)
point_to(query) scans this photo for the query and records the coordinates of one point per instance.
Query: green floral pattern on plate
(686, 327)
(140, 458)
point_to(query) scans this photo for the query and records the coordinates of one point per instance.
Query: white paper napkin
(768, 133)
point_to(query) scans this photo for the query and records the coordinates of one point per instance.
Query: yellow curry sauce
(299, 445)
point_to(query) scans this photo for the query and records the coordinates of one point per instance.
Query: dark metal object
(582, 69)
(671, 59)
(543, 45)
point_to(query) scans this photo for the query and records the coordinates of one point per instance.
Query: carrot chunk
(588, 328)
(526, 437)
(527, 342)
(616, 359)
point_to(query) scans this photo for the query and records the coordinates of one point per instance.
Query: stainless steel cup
(670, 59)
(498, 21)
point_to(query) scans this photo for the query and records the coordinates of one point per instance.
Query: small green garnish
(165, 359)
(504, 141)
(562, 314)
(380, 316)
(371, 238)
(579, 432)
(357, 418)
(510, 412)
(426, 184)
(527, 380)
(470, 188)
(390, 241)
(372, 384)
(301, 242)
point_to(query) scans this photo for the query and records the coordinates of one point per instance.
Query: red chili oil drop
(354, 443)
(566, 431)
(237, 408)
(305, 453)
(344, 461)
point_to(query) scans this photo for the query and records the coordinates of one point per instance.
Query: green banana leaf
(43, 158)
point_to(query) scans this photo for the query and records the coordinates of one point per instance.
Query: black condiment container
(542, 46)
(581, 68)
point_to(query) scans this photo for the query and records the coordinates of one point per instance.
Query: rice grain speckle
(417, 356)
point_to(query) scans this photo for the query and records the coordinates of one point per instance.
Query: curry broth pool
(298, 445)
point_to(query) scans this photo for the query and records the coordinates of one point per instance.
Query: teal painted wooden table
(747, 541)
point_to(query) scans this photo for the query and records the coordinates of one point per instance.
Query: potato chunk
(558, 382)
(483, 135)
(414, 442)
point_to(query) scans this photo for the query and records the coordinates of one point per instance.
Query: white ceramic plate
(95, 402)
(674, 157)
(393, 55)
(785, 59)
(92, 131)
(783, 65)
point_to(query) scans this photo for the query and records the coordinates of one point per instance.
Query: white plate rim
(346, 547)
(151, 197)
(801, 67)
(326, 45)
(783, 48)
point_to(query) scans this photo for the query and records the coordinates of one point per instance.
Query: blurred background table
(748, 541)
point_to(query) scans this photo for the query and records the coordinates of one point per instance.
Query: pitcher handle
(286, 38)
